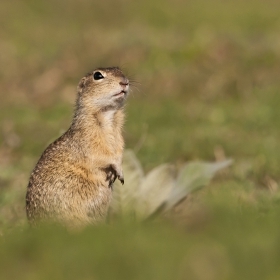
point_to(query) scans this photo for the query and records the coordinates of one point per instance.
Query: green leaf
(155, 189)
(193, 176)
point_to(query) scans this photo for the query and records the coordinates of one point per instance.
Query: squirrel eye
(97, 76)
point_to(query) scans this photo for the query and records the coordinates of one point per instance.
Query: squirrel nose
(124, 83)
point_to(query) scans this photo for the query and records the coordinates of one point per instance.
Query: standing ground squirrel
(72, 181)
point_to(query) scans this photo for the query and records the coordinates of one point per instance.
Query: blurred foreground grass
(208, 74)
(227, 238)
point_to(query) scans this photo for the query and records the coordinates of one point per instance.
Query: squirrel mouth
(120, 94)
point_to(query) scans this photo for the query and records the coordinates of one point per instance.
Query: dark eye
(97, 76)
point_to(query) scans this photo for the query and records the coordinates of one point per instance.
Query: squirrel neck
(99, 128)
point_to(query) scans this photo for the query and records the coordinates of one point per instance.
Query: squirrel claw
(119, 173)
(121, 179)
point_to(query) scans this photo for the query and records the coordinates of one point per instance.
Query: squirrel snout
(124, 83)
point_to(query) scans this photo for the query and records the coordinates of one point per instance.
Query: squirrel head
(103, 88)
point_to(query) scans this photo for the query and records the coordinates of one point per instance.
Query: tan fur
(72, 181)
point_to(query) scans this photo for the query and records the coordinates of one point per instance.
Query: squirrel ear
(81, 85)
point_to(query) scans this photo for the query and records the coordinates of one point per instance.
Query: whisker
(134, 82)
(131, 93)
(133, 86)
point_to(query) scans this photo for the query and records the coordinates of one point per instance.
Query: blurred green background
(206, 87)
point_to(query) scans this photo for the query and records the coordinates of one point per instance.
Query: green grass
(246, 246)
(208, 87)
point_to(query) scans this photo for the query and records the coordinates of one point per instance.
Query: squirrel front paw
(119, 172)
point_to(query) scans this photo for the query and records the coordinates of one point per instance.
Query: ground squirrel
(72, 181)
